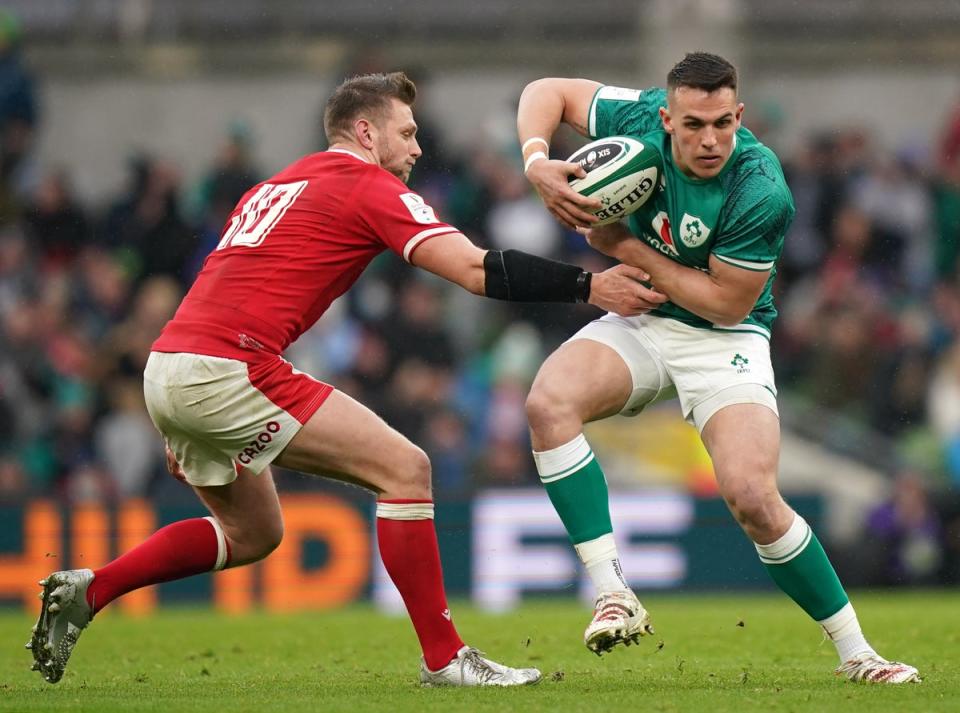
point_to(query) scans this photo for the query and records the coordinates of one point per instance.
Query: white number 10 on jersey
(260, 214)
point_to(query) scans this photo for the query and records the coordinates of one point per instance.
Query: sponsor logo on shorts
(740, 362)
(259, 444)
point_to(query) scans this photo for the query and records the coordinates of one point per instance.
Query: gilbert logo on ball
(622, 173)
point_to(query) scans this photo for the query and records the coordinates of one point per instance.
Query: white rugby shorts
(220, 416)
(706, 369)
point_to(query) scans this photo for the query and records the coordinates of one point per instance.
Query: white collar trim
(349, 153)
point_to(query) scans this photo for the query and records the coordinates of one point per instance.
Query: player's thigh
(583, 378)
(743, 441)
(346, 440)
(248, 510)
(608, 367)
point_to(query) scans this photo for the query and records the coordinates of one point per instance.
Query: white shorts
(220, 416)
(707, 369)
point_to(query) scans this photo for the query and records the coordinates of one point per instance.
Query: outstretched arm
(544, 104)
(520, 277)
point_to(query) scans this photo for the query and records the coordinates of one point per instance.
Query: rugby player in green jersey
(710, 240)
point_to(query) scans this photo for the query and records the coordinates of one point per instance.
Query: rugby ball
(622, 172)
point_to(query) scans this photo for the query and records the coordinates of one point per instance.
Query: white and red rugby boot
(872, 668)
(618, 618)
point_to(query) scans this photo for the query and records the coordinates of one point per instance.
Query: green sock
(801, 569)
(577, 488)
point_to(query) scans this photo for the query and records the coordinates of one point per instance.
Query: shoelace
(484, 672)
(612, 609)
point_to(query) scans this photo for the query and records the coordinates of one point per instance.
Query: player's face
(702, 125)
(396, 141)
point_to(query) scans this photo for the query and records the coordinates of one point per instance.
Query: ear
(666, 120)
(364, 130)
(738, 116)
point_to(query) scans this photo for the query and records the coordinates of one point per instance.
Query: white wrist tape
(535, 156)
(534, 140)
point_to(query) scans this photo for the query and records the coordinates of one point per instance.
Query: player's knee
(546, 407)
(265, 542)
(755, 508)
(271, 537)
(410, 474)
(419, 468)
(252, 543)
(750, 511)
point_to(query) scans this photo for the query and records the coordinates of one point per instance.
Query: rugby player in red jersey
(228, 405)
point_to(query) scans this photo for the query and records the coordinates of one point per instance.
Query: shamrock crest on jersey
(693, 231)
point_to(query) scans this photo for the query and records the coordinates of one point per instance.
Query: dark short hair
(365, 94)
(702, 70)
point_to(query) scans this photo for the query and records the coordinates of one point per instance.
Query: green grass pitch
(712, 653)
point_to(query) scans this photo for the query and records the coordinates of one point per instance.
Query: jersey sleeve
(758, 211)
(617, 111)
(398, 217)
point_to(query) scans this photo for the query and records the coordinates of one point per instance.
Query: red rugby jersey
(292, 245)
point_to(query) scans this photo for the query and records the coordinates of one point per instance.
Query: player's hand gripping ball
(622, 173)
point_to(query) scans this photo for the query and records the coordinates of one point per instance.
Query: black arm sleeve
(520, 277)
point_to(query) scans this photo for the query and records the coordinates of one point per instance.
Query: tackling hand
(621, 290)
(550, 178)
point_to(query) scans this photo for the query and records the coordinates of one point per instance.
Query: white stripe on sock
(791, 544)
(564, 460)
(405, 511)
(221, 544)
(568, 471)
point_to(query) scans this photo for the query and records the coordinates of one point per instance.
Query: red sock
(408, 547)
(176, 551)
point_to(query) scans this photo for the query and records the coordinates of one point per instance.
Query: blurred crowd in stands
(868, 289)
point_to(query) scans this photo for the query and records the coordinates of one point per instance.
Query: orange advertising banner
(285, 581)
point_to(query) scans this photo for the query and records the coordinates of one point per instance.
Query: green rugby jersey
(739, 215)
